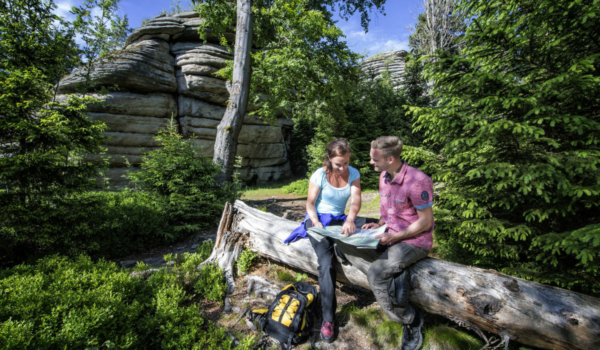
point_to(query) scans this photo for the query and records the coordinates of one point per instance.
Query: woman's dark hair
(336, 148)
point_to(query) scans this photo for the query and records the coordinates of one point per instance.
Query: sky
(389, 32)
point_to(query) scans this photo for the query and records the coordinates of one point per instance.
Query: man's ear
(391, 159)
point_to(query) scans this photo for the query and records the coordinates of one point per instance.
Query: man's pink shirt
(400, 199)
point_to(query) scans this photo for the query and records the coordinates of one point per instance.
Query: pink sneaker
(327, 331)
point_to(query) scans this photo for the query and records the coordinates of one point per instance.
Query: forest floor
(360, 321)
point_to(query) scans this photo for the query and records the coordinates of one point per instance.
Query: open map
(360, 239)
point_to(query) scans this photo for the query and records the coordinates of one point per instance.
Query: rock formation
(389, 62)
(166, 71)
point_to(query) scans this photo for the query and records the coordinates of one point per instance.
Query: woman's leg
(327, 273)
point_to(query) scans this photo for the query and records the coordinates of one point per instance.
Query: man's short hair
(389, 146)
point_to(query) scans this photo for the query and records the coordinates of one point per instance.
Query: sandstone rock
(116, 177)
(129, 123)
(138, 151)
(261, 150)
(201, 133)
(152, 105)
(208, 146)
(265, 174)
(198, 122)
(182, 88)
(391, 62)
(202, 59)
(195, 108)
(199, 70)
(191, 48)
(259, 163)
(130, 139)
(201, 83)
(163, 25)
(260, 133)
(145, 66)
(115, 160)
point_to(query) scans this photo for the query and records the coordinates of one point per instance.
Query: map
(360, 239)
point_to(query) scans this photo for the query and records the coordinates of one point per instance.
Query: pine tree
(519, 126)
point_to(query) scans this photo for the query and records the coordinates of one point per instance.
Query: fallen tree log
(513, 308)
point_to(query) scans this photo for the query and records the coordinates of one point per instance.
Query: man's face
(380, 163)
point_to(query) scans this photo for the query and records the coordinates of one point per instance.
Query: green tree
(102, 34)
(301, 59)
(184, 181)
(519, 128)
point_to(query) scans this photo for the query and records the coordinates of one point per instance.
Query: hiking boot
(327, 331)
(412, 338)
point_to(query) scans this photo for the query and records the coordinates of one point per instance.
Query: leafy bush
(245, 261)
(205, 249)
(518, 123)
(297, 187)
(101, 224)
(184, 182)
(211, 284)
(60, 303)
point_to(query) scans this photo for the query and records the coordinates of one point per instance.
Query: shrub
(205, 249)
(75, 303)
(245, 261)
(184, 182)
(297, 187)
(211, 284)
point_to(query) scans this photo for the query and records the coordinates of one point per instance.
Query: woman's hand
(371, 225)
(348, 228)
(318, 224)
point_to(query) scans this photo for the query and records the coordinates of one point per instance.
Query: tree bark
(515, 309)
(239, 92)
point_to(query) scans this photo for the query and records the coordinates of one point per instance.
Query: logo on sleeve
(425, 195)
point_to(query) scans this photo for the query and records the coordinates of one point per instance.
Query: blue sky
(386, 33)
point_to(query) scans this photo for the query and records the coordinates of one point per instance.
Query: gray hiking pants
(381, 269)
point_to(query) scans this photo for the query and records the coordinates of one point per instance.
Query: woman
(328, 192)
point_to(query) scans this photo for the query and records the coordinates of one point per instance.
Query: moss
(442, 337)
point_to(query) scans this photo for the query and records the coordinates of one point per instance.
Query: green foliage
(211, 283)
(245, 261)
(316, 68)
(447, 338)
(61, 303)
(519, 131)
(285, 276)
(102, 30)
(33, 36)
(297, 187)
(381, 330)
(376, 104)
(205, 249)
(183, 181)
(100, 224)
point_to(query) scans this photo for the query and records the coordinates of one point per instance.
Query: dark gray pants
(381, 268)
(327, 261)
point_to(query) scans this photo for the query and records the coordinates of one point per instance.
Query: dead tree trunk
(516, 309)
(239, 91)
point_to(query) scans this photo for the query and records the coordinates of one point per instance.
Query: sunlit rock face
(166, 71)
(381, 64)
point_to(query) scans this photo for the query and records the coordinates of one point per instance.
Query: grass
(266, 191)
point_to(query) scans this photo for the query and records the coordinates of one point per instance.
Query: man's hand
(348, 228)
(318, 224)
(387, 238)
(370, 226)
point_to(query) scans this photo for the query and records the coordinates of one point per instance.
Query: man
(406, 198)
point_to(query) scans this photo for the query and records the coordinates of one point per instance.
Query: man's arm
(421, 225)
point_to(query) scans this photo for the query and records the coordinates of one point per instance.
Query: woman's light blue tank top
(331, 199)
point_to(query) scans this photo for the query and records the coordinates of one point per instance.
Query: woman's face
(340, 164)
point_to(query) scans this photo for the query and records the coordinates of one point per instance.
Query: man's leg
(381, 275)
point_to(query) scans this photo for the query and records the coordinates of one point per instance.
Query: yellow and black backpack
(290, 317)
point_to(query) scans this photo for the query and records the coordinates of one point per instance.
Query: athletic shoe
(412, 338)
(327, 331)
